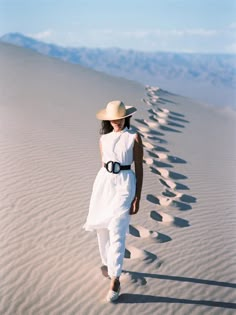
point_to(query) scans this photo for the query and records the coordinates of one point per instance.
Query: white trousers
(112, 249)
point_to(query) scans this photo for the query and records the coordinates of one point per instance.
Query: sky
(203, 26)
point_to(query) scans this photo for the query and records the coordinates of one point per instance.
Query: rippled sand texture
(180, 251)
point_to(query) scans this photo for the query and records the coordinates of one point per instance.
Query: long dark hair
(106, 126)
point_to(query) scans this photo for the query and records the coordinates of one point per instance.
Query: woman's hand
(134, 206)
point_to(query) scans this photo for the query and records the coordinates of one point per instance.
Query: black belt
(115, 167)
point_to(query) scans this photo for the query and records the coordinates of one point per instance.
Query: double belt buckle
(113, 167)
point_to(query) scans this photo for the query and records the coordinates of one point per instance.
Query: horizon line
(119, 48)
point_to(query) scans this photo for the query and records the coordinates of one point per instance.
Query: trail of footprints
(160, 162)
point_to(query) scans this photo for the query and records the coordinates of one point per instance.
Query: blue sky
(147, 25)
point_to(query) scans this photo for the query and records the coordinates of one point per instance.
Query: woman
(117, 189)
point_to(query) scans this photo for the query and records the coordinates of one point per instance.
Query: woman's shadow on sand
(141, 298)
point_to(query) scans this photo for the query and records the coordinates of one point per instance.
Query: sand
(180, 250)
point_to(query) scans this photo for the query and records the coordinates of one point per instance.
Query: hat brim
(102, 114)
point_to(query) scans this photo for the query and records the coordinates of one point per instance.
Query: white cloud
(44, 35)
(185, 32)
(188, 32)
(157, 33)
(201, 32)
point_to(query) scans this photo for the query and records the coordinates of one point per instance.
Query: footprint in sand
(148, 145)
(139, 231)
(152, 88)
(152, 154)
(171, 201)
(154, 138)
(141, 121)
(155, 160)
(158, 155)
(160, 200)
(133, 277)
(168, 183)
(142, 232)
(153, 170)
(163, 172)
(160, 121)
(163, 121)
(148, 161)
(165, 201)
(162, 156)
(162, 114)
(168, 200)
(165, 110)
(178, 186)
(179, 195)
(152, 112)
(132, 252)
(151, 124)
(146, 102)
(155, 98)
(144, 129)
(167, 219)
(160, 171)
(170, 193)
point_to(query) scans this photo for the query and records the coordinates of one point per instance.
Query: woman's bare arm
(138, 165)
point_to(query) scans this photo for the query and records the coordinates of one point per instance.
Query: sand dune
(180, 251)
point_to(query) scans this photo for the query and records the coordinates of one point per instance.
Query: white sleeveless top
(112, 194)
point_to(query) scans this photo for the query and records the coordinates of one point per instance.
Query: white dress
(113, 194)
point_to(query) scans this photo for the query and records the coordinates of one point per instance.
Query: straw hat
(115, 110)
